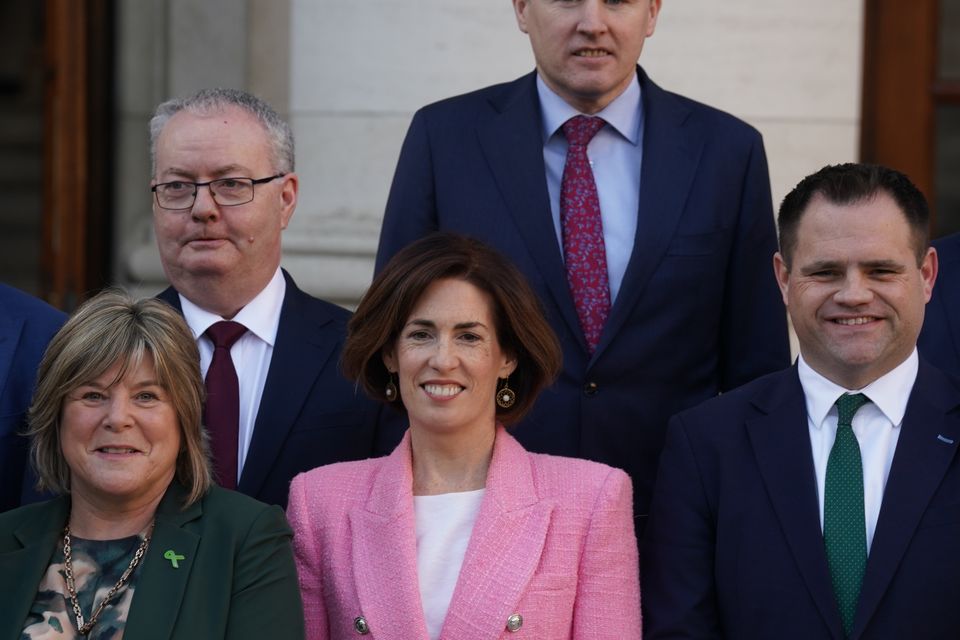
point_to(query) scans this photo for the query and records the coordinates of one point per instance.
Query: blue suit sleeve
(679, 598)
(754, 325)
(938, 339)
(26, 327)
(411, 211)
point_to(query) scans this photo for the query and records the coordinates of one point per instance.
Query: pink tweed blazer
(553, 542)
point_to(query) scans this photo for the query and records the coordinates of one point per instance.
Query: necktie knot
(225, 333)
(847, 406)
(579, 130)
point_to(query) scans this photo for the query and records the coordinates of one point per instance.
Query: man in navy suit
(822, 501)
(686, 310)
(224, 190)
(26, 326)
(940, 337)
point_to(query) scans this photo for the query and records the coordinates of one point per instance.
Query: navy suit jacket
(309, 415)
(698, 311)
(734, 547)
(26, 326)
(940, 337)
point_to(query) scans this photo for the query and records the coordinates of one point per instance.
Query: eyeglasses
(226, 192)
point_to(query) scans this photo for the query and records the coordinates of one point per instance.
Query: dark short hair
(853, 183)
(521, 329)
(110, 328)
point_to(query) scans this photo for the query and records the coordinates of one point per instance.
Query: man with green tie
(822, 501)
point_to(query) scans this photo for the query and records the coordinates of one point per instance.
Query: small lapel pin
(942, 438)
(173, 557)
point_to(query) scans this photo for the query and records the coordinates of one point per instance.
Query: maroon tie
(222, 415)
(584, 253)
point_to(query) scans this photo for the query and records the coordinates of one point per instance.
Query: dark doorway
(911, 98)
(56, 100)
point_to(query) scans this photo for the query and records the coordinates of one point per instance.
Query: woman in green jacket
(139, 543)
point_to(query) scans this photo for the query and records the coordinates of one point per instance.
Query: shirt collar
(890, 392)
(261, 316)
(624, 114)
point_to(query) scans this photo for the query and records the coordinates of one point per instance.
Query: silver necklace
(85, 626)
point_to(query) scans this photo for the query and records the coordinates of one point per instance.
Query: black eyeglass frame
(213, 194)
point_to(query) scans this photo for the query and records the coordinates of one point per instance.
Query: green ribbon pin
(173, 557)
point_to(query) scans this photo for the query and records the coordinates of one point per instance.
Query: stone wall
(349, 75)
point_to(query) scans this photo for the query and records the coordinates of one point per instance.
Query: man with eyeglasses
(224, 190)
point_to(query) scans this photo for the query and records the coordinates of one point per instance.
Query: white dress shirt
(251, 354)
(444, 525)
(616, 155)
(876, 426)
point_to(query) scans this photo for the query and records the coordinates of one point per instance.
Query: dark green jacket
(237, 579)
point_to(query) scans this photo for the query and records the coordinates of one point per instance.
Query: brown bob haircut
(109, 328)
(521, 329)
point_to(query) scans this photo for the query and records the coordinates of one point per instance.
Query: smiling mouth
(591, 53)
(855, 321)
(443, 390)
(117, 450)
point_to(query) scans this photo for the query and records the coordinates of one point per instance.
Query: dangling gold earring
(505, 396)
(391, 392)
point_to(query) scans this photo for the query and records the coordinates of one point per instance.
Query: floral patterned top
(97, 566)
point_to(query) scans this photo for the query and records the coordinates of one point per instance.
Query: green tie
(844, 524)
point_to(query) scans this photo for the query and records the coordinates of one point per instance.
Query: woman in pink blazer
(461, 534)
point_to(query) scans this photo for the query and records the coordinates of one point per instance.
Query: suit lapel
(922, 457)
(384, 552)
(298, 358)
(781, 444)
(514, 151)
(172, 298)
(513, 145)
(161, 587)
(671, 154)
(25, 566)
(159, 590)
(504, 549)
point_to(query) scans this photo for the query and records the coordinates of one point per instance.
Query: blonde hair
(112, 328)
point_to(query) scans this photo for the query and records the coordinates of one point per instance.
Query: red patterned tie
(222, 414)
(583, 249)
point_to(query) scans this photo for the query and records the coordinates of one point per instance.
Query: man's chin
(207, 266)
